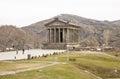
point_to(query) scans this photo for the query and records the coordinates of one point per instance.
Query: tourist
(23, 50)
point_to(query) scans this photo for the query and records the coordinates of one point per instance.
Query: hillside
(17, 38)
(116, 22)
(92, 33)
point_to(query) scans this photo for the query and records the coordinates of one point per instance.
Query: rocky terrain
(92, 33)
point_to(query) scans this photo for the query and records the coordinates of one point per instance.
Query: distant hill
(92, 33)
(116, 22)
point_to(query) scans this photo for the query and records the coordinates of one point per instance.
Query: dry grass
(101, 65)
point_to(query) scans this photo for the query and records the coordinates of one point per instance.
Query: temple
(61, 34)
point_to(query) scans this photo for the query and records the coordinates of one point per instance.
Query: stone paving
(13, 55)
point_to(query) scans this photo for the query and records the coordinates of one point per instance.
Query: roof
(62, 21)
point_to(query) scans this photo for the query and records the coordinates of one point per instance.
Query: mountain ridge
(92, 33)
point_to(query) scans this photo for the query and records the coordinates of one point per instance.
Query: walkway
(12, 55)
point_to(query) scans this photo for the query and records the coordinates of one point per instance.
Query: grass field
(117, 54)
(20, 64)
(100, 65)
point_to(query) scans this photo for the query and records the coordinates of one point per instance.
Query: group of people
(23, 51)
(17, 49)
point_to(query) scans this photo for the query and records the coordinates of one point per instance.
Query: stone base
(54, 46)
(60, 45)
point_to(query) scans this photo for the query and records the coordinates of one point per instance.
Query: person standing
(23, 50)
(16, 51)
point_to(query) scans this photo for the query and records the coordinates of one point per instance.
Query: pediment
(56, 23)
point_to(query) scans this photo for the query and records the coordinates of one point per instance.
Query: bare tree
(10, 36)
(6, 34)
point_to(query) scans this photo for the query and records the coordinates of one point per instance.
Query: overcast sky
(26, 12)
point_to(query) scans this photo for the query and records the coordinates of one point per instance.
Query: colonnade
(62, 35)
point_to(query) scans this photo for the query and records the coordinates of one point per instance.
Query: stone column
(54, 35)
(50, 35)
(67, 35)
(63, 35)
(70, 35)
(74, 35)
(59, 34)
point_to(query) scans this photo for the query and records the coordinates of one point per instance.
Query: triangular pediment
(59, 23)
(55, 23)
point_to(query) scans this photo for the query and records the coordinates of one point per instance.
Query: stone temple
(61, 34)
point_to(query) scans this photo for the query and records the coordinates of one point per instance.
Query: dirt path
(23, 70)
(93, 74)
